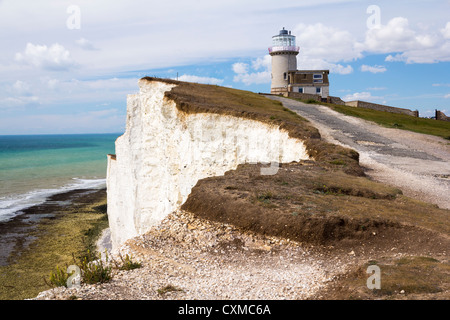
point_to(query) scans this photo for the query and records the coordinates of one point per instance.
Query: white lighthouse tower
(284, 59)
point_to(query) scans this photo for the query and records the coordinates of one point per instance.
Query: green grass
(128, 263)
(399, 121)
(222, 100)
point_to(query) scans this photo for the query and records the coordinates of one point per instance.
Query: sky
(67, 66)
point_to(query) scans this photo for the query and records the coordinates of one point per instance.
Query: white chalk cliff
(164, 152)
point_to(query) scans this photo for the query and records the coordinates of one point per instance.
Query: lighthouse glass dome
(283, 42)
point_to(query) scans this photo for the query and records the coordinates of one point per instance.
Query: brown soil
(335, 215)
(406, 278)
(309, 203)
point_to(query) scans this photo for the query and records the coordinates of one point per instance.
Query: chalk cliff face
(164, 152)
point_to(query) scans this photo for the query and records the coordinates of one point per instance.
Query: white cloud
(428, 113)
(364, 96)
(394, 37)
(327, 47)
(373, 69)
(21, 87)
(52, 83)
(305, 63)
(108, 84)
(253, 78)
(198, 79)
(244, 75)
(18, 94)
(397, 58)
(85, 44)
(441, 84)
(18, 101)
(409, 45)
(100, 121)
(323, 47)
(377, 88)
(431, 55)
(447, 96)
(240, 67)
(446, 31)
(331, 44)
(48, 91)
(264, 63)
(55, 57)
(340, 69)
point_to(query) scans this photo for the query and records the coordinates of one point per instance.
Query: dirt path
(416, 163)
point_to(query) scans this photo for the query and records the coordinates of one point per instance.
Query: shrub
(168, 288)
(92, 268)
(95, 271)
(58, 278)
(128, 263)
(265, 196)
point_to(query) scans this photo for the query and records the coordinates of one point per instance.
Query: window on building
(318, 90)
(285, 76)
(300, 90)
(318, 81)
(318, 76)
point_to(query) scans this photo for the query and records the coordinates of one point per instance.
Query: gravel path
(416, 163)
(199, 259)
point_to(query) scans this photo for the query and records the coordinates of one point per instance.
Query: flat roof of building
(309, 71)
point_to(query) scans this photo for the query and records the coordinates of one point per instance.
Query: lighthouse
(287, 80)
(284, 59)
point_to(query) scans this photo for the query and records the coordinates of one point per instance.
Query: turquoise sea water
(33, 167)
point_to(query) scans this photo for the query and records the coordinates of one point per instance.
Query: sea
(34, 167)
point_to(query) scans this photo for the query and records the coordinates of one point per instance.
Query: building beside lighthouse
(286, 79)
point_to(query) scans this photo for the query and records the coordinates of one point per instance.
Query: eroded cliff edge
(174, 138)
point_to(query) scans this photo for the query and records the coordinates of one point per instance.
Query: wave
(12, 205)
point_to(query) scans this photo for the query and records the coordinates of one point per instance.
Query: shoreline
(15, 232)
(41, 230)
(16, 203)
